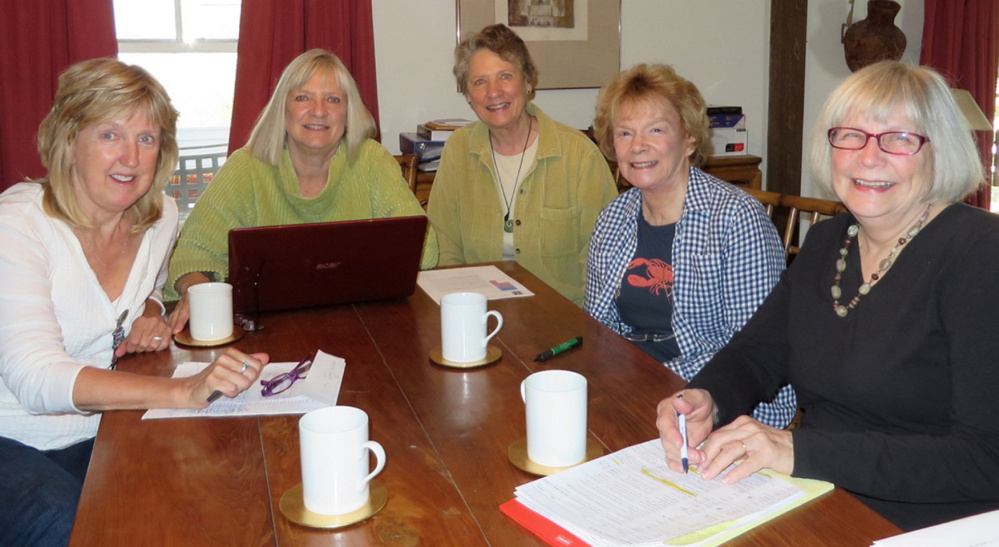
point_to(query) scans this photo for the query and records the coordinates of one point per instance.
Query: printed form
(631, 497)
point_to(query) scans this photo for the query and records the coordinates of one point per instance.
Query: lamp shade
(972, 113)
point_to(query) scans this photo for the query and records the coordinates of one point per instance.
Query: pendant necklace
(507, 222)
(883, 266)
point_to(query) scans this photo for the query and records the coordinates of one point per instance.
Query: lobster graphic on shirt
(658, 275)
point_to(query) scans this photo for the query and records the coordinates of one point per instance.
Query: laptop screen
(305, 265)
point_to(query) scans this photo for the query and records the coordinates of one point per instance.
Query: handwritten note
(320, 388)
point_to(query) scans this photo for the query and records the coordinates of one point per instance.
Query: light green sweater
(247, 192)
(564, 190)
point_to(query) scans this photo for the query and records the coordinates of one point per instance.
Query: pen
(214, 396)
(682, 422)
(565, 346)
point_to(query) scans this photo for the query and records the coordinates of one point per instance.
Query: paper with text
(320, 388)
(631, 497)
(486, 280)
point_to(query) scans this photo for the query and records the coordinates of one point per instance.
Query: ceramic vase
(875, 38)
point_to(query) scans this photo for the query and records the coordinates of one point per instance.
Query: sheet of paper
(320, 388)
(486, 280)
(975, 531)
(630, 497)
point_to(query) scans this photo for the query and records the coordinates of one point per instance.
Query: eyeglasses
(900, 143)
(283, 381)
(117, 337)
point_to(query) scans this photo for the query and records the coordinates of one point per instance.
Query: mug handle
(379, 453)
(499, 325)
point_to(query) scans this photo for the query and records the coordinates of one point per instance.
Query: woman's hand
(231, 373)
(699, 409)
(181, 313)
(758, 446)
(149, 332)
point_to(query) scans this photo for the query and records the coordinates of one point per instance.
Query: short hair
(502, 41)
(653, 84)
(874, 92)
(267, 140)
(100, 91)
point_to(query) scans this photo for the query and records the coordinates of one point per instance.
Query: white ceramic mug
(211, 311)
(555, 401)
(334, 446)
(463, 326)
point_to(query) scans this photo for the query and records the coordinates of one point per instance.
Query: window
(190, 47)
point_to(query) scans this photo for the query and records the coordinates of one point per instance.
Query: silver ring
(157, 338)
(247, 366)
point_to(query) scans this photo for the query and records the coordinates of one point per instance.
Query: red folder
(548, 531)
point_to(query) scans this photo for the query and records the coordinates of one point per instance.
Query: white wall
(723, 46)
(720, 45)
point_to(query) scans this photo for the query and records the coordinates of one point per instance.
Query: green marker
(565, 346)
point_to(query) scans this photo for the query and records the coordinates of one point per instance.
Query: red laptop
(305, 265)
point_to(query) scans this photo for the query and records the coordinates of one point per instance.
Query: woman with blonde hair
(310, 158)
(82, 264)
(679, 262)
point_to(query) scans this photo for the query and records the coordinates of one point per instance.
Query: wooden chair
(800, 208)
(408, 163)
(770, 200)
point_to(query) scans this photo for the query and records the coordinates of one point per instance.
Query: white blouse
(55, 317)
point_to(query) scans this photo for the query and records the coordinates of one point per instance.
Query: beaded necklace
(883, 266)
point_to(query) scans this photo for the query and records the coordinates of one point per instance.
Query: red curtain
(273, 32)
(961, 40)
(39, 40)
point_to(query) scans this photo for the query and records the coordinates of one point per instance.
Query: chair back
(408, 163)
(800, 208)
(770, 200)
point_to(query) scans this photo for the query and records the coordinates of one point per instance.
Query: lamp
(972, 113)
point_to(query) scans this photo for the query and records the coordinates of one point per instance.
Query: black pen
(565, 346)
(214, 396)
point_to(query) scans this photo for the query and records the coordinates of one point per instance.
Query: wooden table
(218, 481)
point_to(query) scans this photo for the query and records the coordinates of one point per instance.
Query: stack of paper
(631, 497)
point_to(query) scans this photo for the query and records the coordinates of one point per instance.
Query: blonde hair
(99, 91)
(267, 140)
(652, 85)
(875, 92)
(505, 43)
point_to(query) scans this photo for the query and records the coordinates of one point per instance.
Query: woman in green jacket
(517, 185)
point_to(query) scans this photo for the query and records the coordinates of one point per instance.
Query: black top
(900, 397)
(645, 301)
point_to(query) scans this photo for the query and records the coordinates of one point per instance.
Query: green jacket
(556, 208)
(247, 192)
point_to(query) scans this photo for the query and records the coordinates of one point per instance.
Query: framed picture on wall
(574, 43)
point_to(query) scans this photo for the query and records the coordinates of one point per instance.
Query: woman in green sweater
(310, 158)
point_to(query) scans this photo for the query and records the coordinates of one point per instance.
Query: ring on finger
(246, 367)
(745, 449)
(157, 338)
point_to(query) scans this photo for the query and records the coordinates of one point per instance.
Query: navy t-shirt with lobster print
(646, 299)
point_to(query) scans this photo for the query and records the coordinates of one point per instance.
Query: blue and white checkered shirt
(727, 257)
